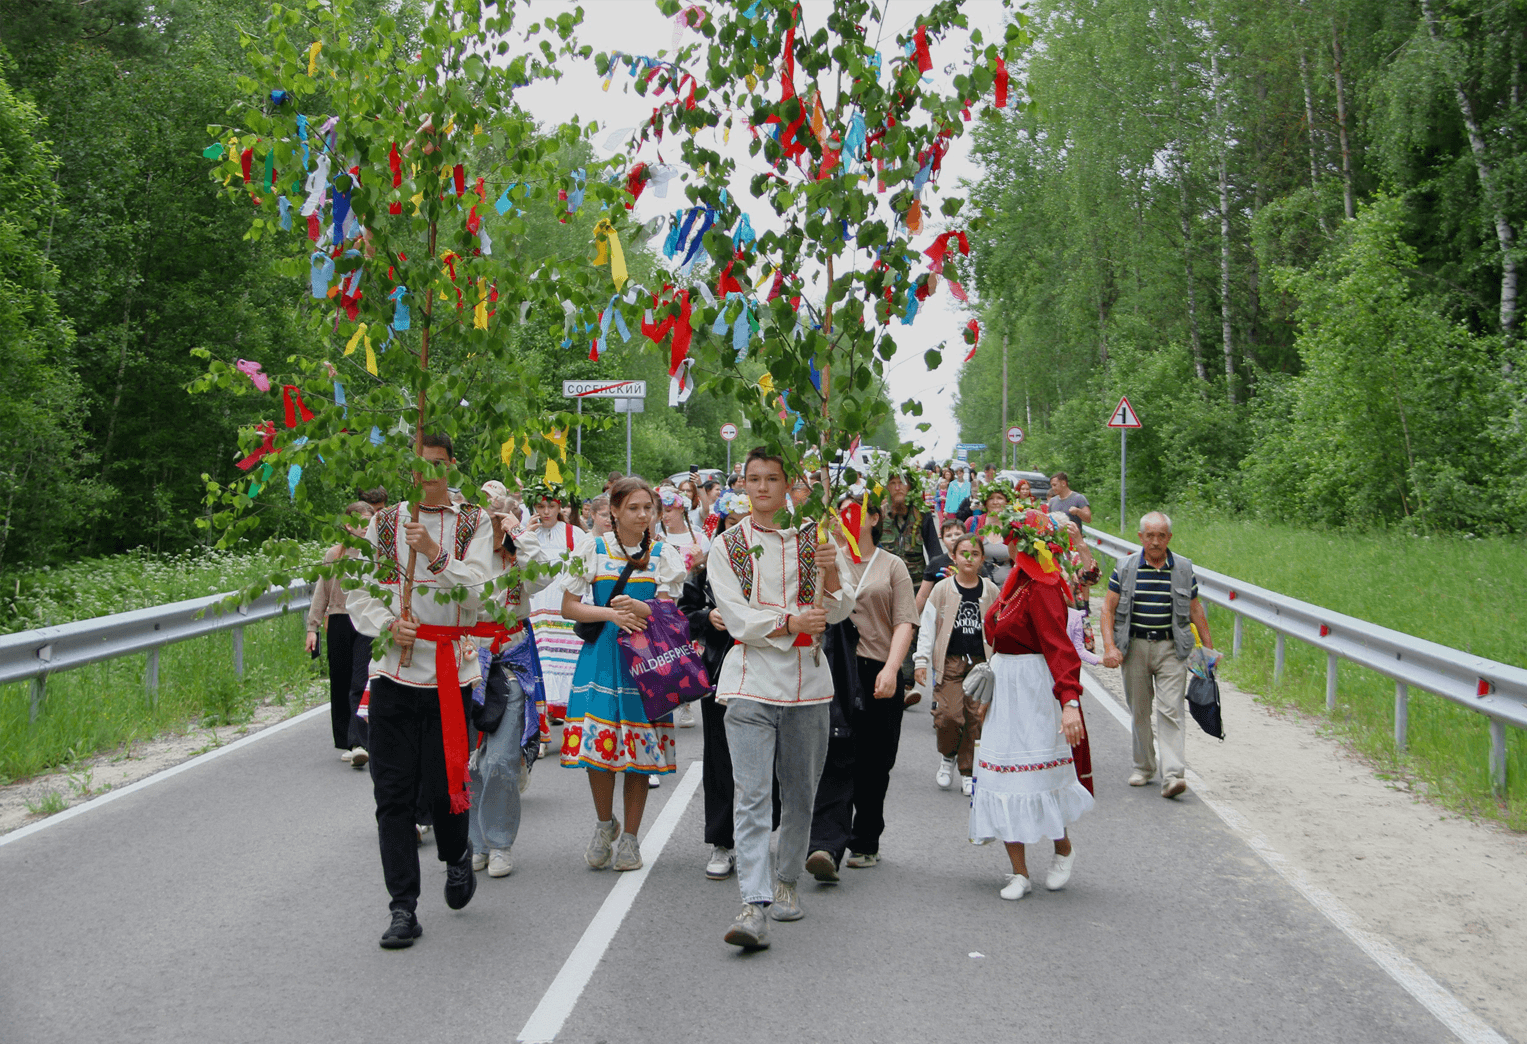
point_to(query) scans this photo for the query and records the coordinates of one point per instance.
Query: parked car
(706, 474)
(1039, 483)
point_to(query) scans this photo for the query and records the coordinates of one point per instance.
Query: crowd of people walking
(469, 633)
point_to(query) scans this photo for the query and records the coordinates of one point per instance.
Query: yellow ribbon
(607, 248)
(480, 313)
(506, 453)
(1043, 556)
(355, 339)
(313, 57)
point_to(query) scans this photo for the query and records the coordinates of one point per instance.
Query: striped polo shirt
(1152, 607)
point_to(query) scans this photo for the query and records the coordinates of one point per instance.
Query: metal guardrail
(1496, 690)
(39, 653)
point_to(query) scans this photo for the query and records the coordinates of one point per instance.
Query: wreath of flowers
(1032, 530)
(988, 488)
(540, 490)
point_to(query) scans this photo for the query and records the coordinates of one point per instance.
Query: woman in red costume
(1034, 774)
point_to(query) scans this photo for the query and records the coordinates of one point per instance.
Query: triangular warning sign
(1124, 415)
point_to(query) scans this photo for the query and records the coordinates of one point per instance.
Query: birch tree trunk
(1504, 233)
(1341, 124)
(1222, 130)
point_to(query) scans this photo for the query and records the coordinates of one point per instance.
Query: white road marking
(557, 1002)
(158, 777)
(1448, 1009)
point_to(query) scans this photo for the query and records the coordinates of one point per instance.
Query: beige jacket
(938, 624)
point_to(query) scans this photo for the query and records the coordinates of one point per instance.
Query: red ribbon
(267, 429)
(728, 283)
(1001, 98)
(924, 59)
(972, 337)
(291, 397)
(453, 719)
(246, 161)
(460, 176)
(940, 249)
(635, 182)
(315, 227)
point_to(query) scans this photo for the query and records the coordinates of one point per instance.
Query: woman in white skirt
(1034, 775)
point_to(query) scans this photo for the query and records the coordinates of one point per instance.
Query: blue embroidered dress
(607, 727)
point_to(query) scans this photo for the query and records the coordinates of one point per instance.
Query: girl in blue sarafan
(607, 729)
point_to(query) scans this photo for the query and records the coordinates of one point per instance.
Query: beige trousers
(1153, 675)
(956, 717)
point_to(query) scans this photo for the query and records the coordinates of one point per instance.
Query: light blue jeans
(494, 819)
(768, 738)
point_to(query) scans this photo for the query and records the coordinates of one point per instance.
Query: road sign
(604, 389)
(961, 453)
(1015, 434)
(1124, 415)
(970, 447)
(728, 431)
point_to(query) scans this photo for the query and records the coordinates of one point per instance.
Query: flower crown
(1033, 531)
(540, 490)
(987, 489)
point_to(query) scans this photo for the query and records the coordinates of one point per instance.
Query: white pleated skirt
(1026, 788)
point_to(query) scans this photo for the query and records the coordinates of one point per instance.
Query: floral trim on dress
(1037, 767)
(592, 742)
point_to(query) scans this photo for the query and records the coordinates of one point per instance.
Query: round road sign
(728, 431)
(1015, 434)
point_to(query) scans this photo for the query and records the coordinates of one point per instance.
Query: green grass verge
(106, 705)
(1465, 593)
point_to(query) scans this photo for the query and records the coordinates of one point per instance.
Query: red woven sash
(453, 720)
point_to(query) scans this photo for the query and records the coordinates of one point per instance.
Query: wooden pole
(406, 658)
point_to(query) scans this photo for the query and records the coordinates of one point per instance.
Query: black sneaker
(402, 932)
(460, 881)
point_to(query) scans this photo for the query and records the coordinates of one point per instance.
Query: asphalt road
(242, 900)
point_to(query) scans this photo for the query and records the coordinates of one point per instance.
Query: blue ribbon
(504, 203)
(293, 476)
(853, 141)
(279, 97)
(699, 238)
(341, 210)
(921, 178)
(612, 314)
(575, 195)
(906, 320)
(744, 236)
(376, 436)
(671, 244)
(339, 398)
(302, 136)
(285, 206)
(321, 274)
(400, 317)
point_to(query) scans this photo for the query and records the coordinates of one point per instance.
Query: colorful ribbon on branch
(607, 250)
(291, 399)
(251, 369)
(267, 430)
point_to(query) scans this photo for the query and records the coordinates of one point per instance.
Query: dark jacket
(696, 602)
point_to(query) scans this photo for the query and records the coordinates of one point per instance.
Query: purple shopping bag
(662, 662)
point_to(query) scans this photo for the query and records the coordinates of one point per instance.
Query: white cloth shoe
(498, 862)
(359, 757)
(967, 785)
(479, 860)
(721, 864)
(945, 774)
(684, 717)
(1060, 871)
(1016, 888)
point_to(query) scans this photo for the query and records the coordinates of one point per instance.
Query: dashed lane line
(1448, 1009)
(562, 995)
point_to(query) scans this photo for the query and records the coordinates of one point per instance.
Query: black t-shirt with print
(965, 639)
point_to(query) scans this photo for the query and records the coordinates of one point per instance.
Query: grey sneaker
(628, 854)
(787, 905)
(820, 865)
(499, 864)
(862, 860)
(751, 928)
(721, 864)
(597, 855)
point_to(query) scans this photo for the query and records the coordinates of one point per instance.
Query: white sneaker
(479, 860)
(653, 782)
(722, 863)
(684, 718)
(1016, 888)
(1060, 871)
(945, 774)
(967, 785)
(628, 854)
(346, 755)
(359, 757)
(424, 831)
(498, 862)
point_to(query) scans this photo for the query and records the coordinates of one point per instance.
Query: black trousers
(716, 776)
(349, 660)
(850, 805)
(408, 771)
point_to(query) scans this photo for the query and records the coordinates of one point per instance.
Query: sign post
(1014, 437)
(1123, 418)
(628, 396)
(729, 433)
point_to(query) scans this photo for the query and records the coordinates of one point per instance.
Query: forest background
(1286, 230)
(1289, 231)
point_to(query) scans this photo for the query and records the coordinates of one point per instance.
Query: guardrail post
(1330, 683)
(39, 686)
(1279, 649)
(238, 652)
(1240, 632)
(151, 676)
(1401, 715)
(1498, 755)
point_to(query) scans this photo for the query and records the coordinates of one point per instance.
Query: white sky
(637, 27)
